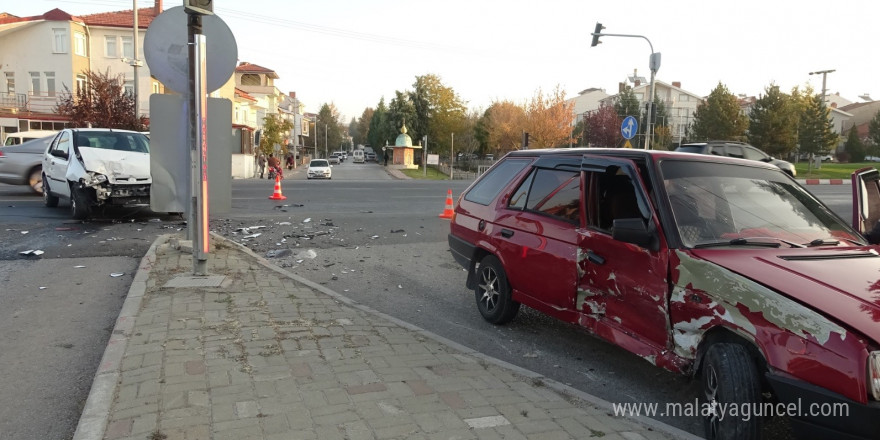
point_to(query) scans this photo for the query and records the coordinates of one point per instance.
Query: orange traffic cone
(277, 194)
(448, 212)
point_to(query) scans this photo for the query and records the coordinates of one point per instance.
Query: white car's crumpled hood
(118, 166)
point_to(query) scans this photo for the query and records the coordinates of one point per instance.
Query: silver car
(23, 164)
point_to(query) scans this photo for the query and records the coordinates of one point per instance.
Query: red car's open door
(866, 199)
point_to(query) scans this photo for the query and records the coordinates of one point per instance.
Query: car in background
(24, 136)
(319, 169)
(370, 156)
(22, 164)
(358, 156)
(334, 158)
(723, 269)
(97, 167)
(740, 150)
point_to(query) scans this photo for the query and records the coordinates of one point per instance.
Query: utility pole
(824, 74)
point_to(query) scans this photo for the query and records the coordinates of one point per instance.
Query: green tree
(328, 132)
(854, 147)
(662, 133)
(481, 132)
(873, 146)
(816, 132)
(627, 104)
(103, 103)
(353, 131)
(364, 126)
(719, 118)
(773, 122)
(275, 132)
(400, 111)
(379, 133)
(438, 112)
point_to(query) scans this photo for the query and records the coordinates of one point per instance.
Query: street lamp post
(824, 74)
(653, 64)
(325, 142)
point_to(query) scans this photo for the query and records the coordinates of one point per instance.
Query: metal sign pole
(198, 215)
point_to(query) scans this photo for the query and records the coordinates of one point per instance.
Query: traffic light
(596, 34)
(200, 7)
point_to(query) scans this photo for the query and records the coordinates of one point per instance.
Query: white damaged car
(97, 167)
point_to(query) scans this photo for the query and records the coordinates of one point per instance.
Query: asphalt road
(374, 239)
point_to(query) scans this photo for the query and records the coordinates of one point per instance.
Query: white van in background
(24, 136)
(358, 156)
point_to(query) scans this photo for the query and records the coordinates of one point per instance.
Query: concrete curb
(93, 420)
(550, 383)
(824, 182)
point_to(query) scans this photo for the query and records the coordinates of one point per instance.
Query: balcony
(30, 102)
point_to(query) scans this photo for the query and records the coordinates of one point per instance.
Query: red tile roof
(123, 19)
(243, 94)
(53, 15)
(245, 67)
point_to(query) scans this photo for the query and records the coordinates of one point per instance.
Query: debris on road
(396, 231)
(32, 253)
(116, 274)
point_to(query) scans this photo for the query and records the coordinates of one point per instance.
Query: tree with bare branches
(102, 103)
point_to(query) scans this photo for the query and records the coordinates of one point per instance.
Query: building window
(128, 87)
(683, 98)
(110, 50)
(640, 96)
(50, 83)
(35, 83)
(59, 43)
(156, 88)
(10, 83)
(81, 82)
(79, 43)
(127, 47)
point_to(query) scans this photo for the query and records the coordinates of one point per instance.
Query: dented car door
(623, 284)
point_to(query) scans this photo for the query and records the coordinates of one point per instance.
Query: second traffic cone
(277, 194)
(448, 212)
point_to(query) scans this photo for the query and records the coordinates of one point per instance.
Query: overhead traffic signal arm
(596, 34)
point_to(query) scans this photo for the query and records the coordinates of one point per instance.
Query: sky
(354, 52)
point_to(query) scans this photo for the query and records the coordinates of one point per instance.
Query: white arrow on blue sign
(629, 127)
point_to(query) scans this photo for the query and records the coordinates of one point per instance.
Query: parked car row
(714, 267)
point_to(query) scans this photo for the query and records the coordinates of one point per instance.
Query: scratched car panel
(718, 268)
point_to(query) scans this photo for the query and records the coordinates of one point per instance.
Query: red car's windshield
(714, 202)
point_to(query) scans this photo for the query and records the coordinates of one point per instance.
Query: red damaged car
(721, 268)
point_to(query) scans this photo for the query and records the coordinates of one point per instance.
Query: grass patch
(433, 174)
(830, 170)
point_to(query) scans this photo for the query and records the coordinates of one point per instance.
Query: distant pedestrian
(386, 158)
(261, 162)
(289, 161)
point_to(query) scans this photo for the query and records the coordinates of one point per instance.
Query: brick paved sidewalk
(269, 355)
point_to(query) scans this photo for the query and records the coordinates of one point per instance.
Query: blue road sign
(629, 127)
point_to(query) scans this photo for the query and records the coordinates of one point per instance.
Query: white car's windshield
(319, 164)
(718, 203)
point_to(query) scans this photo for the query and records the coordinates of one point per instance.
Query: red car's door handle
(595, 259)
(506, 233)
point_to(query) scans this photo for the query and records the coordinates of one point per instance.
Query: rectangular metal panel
(169, 153)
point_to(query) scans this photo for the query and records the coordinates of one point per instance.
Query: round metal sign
(166, 50)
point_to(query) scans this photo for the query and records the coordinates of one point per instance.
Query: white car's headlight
(874, 374)
(94, 178)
